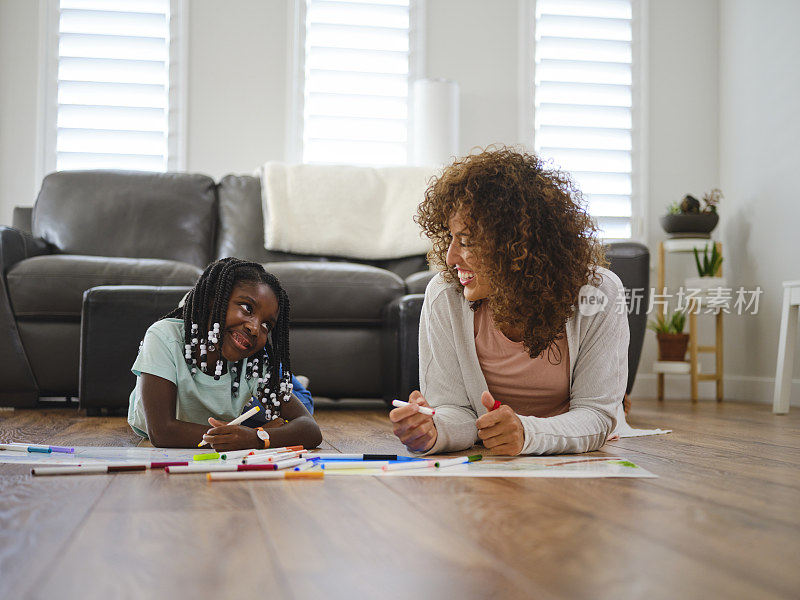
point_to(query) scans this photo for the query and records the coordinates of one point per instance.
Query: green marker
(207, 456)
(449, 462)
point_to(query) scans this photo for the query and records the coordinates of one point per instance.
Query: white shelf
(688, 244)
(673, 367)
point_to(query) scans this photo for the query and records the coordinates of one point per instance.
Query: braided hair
(207, 303)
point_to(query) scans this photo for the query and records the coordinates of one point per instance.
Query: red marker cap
(496, 405)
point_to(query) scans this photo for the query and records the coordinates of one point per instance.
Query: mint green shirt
(199, 396)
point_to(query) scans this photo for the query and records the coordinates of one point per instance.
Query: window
(112, 101)
(356, 69)
(585, 103)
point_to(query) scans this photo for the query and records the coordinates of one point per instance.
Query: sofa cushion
(336, 292)
(172, 216)
(53, 286)
(241, 222)
(418, 282)
(241, 231)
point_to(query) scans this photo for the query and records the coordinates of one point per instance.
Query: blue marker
(25, 448)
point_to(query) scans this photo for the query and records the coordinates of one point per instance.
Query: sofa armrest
(16, 246)
(630, 261)
(19, 387)
(114, 320)
(401, 346)
(417, 282)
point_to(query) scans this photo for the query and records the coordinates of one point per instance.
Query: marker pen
(449, 462)
(420, 409)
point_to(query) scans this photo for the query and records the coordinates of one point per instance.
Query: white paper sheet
(94, 455)
(571, 466)
(623, 430)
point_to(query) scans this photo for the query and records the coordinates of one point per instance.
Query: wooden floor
(721, 521)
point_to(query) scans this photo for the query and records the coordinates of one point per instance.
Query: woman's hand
(223, 437)
(500, 429)
(415, 430)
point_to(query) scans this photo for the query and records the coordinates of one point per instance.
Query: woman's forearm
(575, 432)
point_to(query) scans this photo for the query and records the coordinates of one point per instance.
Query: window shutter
(113, 85)
(356, 82)
(583, 102)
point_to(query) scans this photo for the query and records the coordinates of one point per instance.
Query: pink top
(530, 386)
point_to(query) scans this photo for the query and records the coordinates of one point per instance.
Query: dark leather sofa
(103, 254)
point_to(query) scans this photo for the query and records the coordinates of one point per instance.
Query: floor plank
(165, 554)
(37, 519)
(722, 520)
(560, 537)
(359, 539)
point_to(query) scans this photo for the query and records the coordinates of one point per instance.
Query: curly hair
(536, 244)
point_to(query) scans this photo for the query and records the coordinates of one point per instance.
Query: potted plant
(707, 271)
(672, 342)
(691, 219)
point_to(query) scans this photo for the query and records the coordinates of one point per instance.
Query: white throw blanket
(355, 212)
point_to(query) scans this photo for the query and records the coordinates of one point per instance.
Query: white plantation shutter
(113, 78)
(356, 82)
(583, 113)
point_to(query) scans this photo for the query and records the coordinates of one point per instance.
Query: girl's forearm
(178, 434)
(300, 431)
(181, 434)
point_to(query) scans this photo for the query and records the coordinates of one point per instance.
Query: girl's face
(461, 255)
(252, 314)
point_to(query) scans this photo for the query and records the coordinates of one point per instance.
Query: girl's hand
(223, 437)
(500, 429)
(415, 430)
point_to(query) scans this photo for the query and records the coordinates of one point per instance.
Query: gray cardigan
(452, 381)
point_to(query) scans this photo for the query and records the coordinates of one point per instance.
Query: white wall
(474, 42)
(683, 144)
(19, 74)
(237, 85)
(759, 163)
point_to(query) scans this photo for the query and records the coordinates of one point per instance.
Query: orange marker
(238, 475)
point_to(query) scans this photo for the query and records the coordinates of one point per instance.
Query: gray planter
(683, 224)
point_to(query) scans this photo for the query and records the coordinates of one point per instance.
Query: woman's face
(252, 314)
(461, 255)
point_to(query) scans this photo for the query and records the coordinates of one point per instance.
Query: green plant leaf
(678, 321)
(697, 261)
(716, 266)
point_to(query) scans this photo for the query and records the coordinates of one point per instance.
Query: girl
(213, 356)
(522, 343)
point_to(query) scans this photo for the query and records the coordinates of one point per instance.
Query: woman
(524, 312)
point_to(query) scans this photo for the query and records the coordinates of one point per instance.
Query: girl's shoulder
(168, 330)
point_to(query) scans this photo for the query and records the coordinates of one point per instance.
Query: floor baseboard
(737, 388)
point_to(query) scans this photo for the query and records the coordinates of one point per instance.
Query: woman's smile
(465, 277)
(460, 255)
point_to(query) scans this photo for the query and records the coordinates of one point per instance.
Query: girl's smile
(242, 341)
